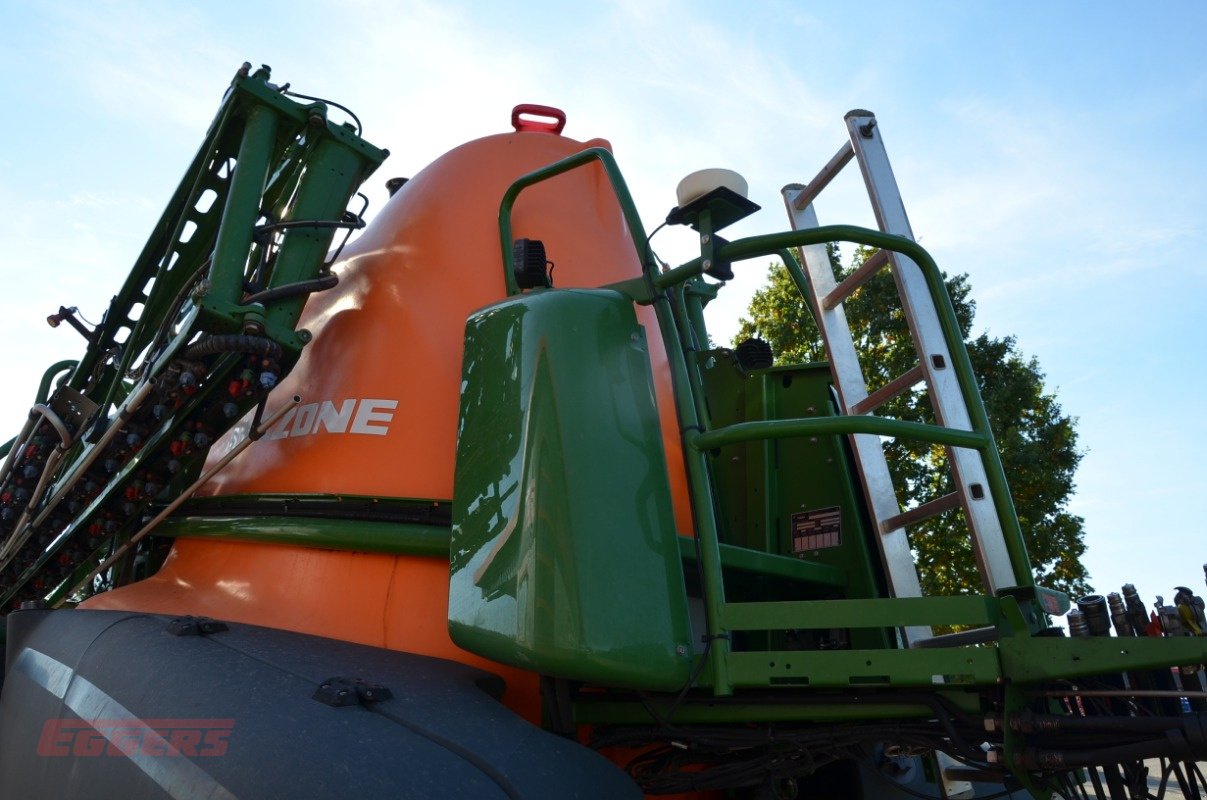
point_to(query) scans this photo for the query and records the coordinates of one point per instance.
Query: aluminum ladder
(826, 296)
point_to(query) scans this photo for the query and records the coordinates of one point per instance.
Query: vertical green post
(700, 488)
(242, 207)
(333, 172)
(764, 406)
(689, 344)
(696, 294)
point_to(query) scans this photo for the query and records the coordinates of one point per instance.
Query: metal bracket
(339, 692)
(195, 626)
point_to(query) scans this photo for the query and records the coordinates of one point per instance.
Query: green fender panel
(564, 552)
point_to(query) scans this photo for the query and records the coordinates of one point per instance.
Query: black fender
(133, 705)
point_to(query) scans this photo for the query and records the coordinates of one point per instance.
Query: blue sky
(1055, 152)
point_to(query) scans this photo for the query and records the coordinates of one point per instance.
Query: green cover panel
(564, 556)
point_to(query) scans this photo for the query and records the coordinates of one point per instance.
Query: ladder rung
(810, 192)
(856, 279)
(919, 513)
(888, 391)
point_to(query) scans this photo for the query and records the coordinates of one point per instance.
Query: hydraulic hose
(289, 290)
(234, 343)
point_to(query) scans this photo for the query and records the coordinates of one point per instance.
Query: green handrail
(844, 425)
(777, 243)
(628, 208)
(670, 306)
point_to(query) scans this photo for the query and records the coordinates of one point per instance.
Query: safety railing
(679, 313)
(579, 159)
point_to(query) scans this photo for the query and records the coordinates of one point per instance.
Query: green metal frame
(393, 538)
(292, 177)
(398, 526)
(591, 155)
(679, 295)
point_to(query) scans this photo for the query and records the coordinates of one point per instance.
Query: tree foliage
(1037, 441)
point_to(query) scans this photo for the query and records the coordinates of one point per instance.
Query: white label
(373, 417)
(366, 416)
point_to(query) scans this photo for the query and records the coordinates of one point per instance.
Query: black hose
(1030, 722)
(234, 343)
(1033, 758)
(289, 290)
(344, 109)
(353, 224)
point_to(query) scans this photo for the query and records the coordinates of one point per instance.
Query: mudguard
(132, 705)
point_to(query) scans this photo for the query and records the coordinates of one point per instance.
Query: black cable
(345, 109)
(738, 757)
(269, 227)
(320, 284)
(1192, 772)
(361, 216)
(1199, 775)
(691, 680)
(1177, 772)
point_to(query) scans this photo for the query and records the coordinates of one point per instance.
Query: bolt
(305, 336)
(704, 238)
(680, 650)
(707, 264)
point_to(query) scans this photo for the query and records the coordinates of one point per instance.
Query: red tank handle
(538, 126)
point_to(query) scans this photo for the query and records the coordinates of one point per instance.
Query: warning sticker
(816, 530)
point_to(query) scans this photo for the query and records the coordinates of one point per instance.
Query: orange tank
(380, 385)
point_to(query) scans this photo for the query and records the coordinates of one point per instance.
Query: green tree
(1037, 441)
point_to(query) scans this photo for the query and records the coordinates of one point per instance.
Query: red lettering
(157, 745)
(185, 740)
(124, 741)
(128, 737)
(89, 742)
(55, 740)
(215, 742)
